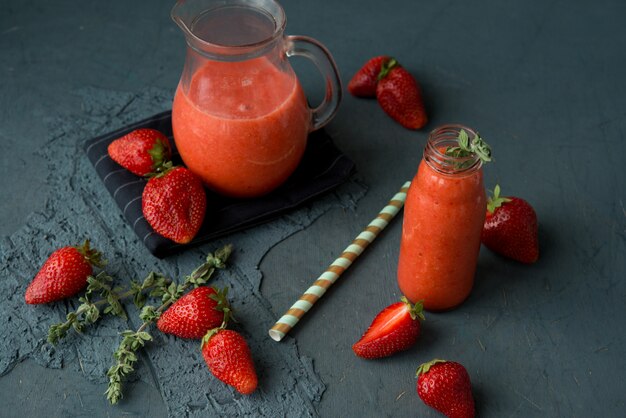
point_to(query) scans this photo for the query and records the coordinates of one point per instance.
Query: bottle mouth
(442, 138)
(234, 28)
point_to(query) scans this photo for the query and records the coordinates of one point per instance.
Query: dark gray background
(544, 83)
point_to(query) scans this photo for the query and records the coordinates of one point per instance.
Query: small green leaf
(425, 367)
(463, 139)
(149, 281)
(140, 300)
(78, 327)
(171, 289)
(144, 336)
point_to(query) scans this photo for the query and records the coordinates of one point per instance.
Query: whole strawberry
(174, 203)
(194, 314)
(63, 274)
(142, 151)
(228, 357)
(400, 95)
(511, 228)
(363, 83)
(445, 386)
(395, 328)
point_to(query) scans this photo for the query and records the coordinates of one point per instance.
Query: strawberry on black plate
(142, 151)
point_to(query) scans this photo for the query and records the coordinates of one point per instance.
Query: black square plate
(323, 167)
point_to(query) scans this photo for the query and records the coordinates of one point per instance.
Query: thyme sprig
(126, 354)
(88, 312)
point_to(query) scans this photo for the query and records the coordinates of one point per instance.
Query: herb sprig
(88, 312)
(467, 147)
(126, 353)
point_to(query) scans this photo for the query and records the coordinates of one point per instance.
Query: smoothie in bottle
(443, 220)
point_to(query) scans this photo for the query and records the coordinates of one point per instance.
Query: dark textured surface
(81, 207)
(542, 81)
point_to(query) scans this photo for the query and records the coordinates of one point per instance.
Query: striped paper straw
(341, 264)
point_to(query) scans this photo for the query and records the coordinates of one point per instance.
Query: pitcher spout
(229, 28)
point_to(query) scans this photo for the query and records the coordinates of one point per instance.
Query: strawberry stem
(221, 297)
(496, 201)
(210, 333)
(158, 154)
(425, 367)
(162, 170)
(386, 67)
(93, 256)
(417, 310)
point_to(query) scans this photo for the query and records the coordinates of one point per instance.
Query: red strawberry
(63, 274)
(194, 314)
(394, 329)
(400, 96)
(511, 228)
(445, 386)
(142, 151)
(228, 357)
(174, 203)
(363, 83)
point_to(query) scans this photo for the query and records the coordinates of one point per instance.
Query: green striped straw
(341, 264)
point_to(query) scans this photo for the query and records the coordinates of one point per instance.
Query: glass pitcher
(240, 117)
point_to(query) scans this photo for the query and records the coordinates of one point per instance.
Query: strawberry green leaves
(496, 201)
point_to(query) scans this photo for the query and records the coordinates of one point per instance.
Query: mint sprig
(466, 148)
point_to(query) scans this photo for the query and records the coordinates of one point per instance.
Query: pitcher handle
(316, 52)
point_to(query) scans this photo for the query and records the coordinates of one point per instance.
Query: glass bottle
(444, 215)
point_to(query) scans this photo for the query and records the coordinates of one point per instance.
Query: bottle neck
(435, 155)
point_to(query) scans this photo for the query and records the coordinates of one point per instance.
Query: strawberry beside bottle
(511, 228)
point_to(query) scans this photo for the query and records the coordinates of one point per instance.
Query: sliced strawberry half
(395, 328)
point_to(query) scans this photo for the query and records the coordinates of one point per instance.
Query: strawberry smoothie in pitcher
(240, 117)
